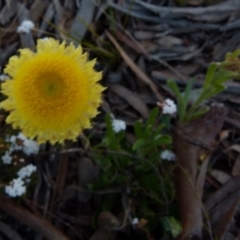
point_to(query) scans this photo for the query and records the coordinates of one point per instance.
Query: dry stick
(134, 67)
(60, 180)
(37, 223)
(191, 140)
(228, 6)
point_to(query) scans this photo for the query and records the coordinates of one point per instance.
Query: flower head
(53, 93)
(118, 125)
(25, 26)
(168, 155)
(26, 171)
(15, 188)
(169, 107)
(29, 146)
(7, 158)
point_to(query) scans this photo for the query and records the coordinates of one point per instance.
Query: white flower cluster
(27, 146)
(17, 186)
(118, 125)
(168, 155)
(169, 107)
(25, 26)
(26, 171)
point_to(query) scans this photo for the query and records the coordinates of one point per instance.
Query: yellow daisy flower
(53, 93)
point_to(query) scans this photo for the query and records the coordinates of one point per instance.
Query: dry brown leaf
(141, 75)
(226, 218)
(224, 134)
(65, 22)
(220, 176)
(123, 38)
(83, 19)
(193, 2)
(131, 98)
(202, 130)
(7, 12)
(202, 175)
(87, 171)
(34, 221)
(107, 220)
(103, 234)
(37, 9)
(62, 174)
(221, 206)
(236, 167)
(169, 41)
(235, 147)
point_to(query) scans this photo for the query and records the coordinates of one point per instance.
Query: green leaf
(199, 112)
(138, 129)
(166, 120)
(223, 76)
(158, 130)
(183, 108)
(163, 140)
(173, 86)
(138, 144)
(187, 90)
(208, 92)
(181, 101)
(170, 224)
(153, 116)
(210, 74)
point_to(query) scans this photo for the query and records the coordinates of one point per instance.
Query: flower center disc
(49, 86)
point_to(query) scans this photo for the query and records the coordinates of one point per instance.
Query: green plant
(137, 166)
(217, 74)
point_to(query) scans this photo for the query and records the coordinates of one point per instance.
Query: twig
(37, 223)
(135, 68)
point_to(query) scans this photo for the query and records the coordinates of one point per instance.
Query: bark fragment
(192, 140)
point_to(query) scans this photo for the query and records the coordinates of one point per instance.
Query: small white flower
(7, 158)
(25, 26)
(15, 188)
(3, 77)
(135, 221)
(12, 139)
(29, 146)
(44, 39)
(168, 155)
(21, 137)
(118, 125)
(26, 171)
(169, 107)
